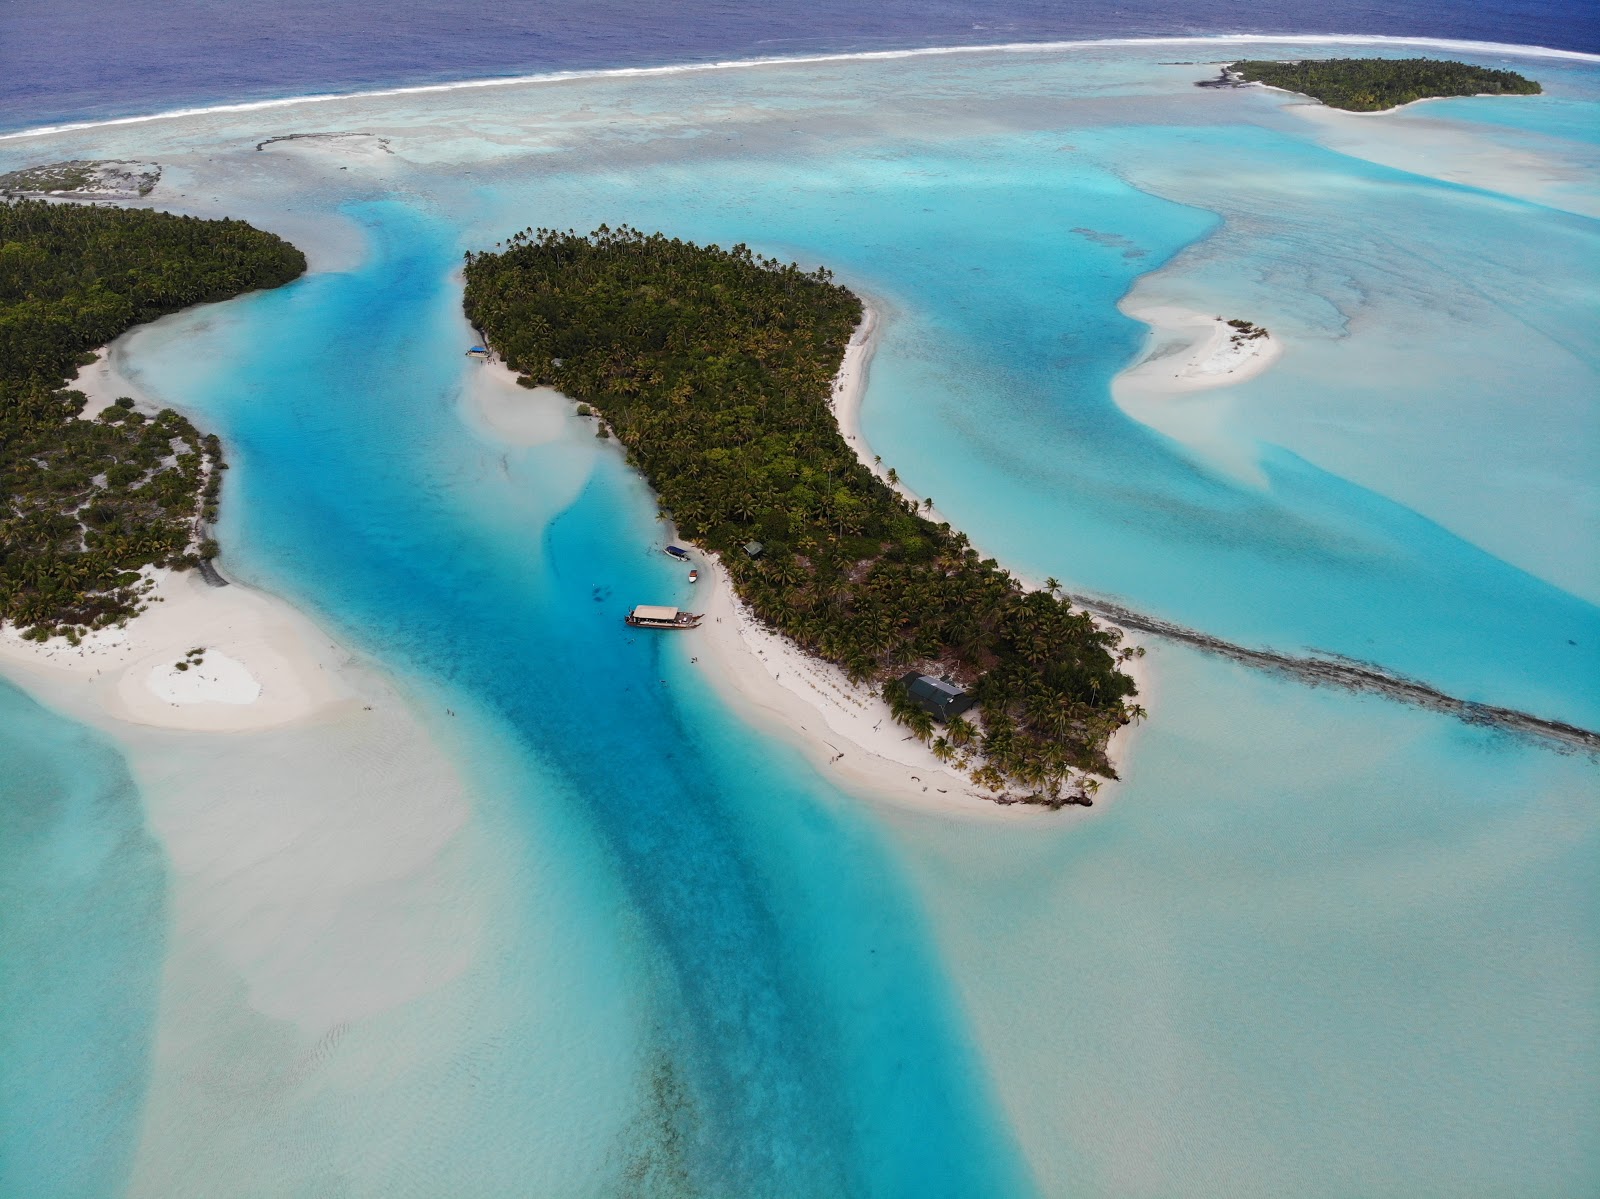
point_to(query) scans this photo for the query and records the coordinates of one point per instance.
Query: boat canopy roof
(654, 612)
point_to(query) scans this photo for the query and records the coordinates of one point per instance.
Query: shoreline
(264, 665)
(846, 729)
(1351, 112)
(849, 393)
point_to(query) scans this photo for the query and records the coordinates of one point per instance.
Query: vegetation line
(1354, 676)
(714, 369)
(90, 502)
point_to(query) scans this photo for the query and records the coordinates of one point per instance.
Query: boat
(678, 552)
(653, 616)
(694, 576)
(481, 353)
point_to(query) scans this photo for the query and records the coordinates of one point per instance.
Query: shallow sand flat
(327, 878)
(496, 406)
(1409, 139)
(1188, 355)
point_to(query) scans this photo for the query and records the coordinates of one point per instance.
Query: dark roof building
(754, 548)
(942, 699)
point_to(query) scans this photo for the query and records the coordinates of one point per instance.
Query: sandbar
(261, 664)
(1187, 355)
(495, 405)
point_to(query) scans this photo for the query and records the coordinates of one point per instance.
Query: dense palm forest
(1373, 84)
(89, 502)
(714, 369)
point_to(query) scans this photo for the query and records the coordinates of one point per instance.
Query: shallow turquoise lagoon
(81, 919)
(1000, 263)
(1318, 945)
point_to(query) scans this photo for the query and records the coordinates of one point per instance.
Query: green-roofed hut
(940, 698)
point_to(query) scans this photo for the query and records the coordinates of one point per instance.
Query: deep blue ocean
(84, 59)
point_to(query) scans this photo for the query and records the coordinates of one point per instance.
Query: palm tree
(920, 722)
(1052, 585)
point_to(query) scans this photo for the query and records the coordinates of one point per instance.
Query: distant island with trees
(90, 502)
(1376, 84)
(714, 369)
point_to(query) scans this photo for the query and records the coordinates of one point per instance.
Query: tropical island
(713, 368)
(90, 502)
(1376, 84)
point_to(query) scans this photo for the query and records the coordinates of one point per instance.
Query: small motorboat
(694, 576)
(678, 552)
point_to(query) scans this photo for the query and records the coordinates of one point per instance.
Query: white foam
(1221, 39)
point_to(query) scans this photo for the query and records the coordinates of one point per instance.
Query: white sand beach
(844, 728)
(103, 382)
(1189, 354)
(261, 663)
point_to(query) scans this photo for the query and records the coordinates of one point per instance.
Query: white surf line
(1221, 39)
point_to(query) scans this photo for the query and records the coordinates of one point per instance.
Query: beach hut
(940, 698)
(754, 549)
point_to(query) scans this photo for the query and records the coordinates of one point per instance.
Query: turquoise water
(82, 937)
(1319, 944)
(457, 563)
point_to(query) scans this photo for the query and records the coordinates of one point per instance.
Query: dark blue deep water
(81, 59)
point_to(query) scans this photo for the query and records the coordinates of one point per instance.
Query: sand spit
(495, 405)
(1188, 355)
(330, 885)
(202, 658)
